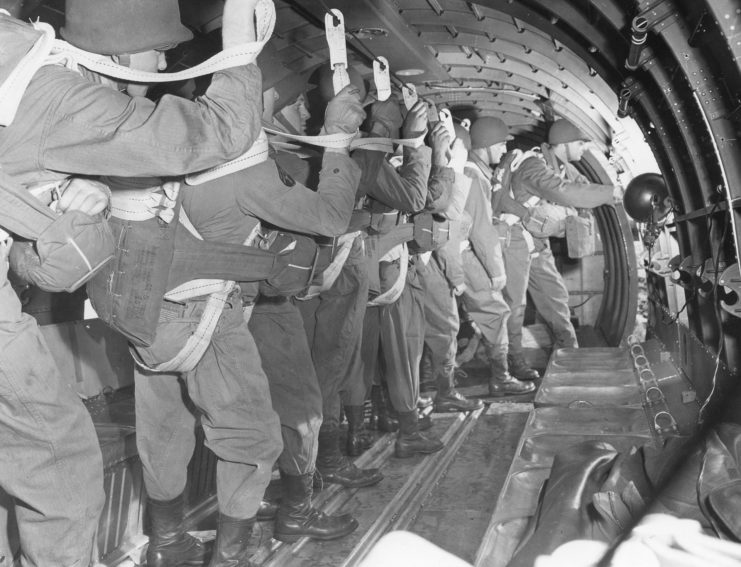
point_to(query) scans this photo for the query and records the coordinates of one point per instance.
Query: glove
(458, 156)
(238, 23)
(386, 117)
(344, 112)
(415, 122)
(440, 141)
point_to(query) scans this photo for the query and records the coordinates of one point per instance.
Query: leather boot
(169, 544)
(382, 418)
(334, 467)
(297, 518)
(232, 548)
(520, 370)
(411, 441)
(448, 399)
(454, 401)
(359, 439)
(267, 510)
(501, 382)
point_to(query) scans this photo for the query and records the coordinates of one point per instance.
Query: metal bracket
(730, 279)
(628, 90)
(686, 272)
(709, 275)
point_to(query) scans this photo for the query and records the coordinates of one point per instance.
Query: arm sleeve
(484, 237)
(439, 189)
(404, 190)
(94, 129)
(295, 207)
(535, 177)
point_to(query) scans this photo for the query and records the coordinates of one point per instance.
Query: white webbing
(258, 152)
(145, 204)
(50, 51)
(64, 53)
(197, 343)
(394, 292)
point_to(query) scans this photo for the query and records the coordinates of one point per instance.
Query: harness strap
(64, 53)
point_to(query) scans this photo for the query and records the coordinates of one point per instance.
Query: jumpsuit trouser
(516, 254)
(551, 298)
(334, 326)
(486, 307)
(441, 320)
(402, 335)
(50, 462)
(230, 392)
(284, 350)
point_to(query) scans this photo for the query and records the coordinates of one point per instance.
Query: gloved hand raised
(238, 23)
(440, 141)
(344, 112)
(415, 122)
(458, 156)
(386, 117)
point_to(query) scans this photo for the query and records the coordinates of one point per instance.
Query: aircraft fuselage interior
(571, 395)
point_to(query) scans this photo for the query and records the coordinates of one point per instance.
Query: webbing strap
(394, 292)
(50, 51)
(145, 204)
(258, 152)
(197, 343)
(195, 347)
(195, 288)
(232, 57)
(12, 89)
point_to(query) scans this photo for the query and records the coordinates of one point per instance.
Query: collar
(481, 164)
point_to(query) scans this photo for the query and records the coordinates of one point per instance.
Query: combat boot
(501, 382)
(267, 510)
(453, 401)
(169, 544)
(448, 399)
(382, 418)
(359, 439)
(520, 369)
(335, 468)
(232, 547)
(297, 518)
(410, 441)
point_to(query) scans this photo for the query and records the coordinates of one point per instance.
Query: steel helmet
(112, 27)
(646, 198)
(487, 131)
(462, 133)
(562, 132)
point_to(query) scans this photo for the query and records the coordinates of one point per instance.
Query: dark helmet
(487, 131)
(646, 198)
(111, 27)
(462, 133)
(562, 132)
